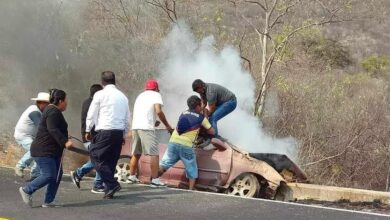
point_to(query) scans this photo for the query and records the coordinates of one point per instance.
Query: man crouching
(181, 143)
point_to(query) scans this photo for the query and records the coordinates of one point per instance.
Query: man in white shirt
(25, 132)
(109, 113)
(147, 105)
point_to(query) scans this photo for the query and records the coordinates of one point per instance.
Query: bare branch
(269, 63)
(339, 154)
(283, 14)
(240, 48)
(272, 8)
(322, 5)
(170, 11)
(259, 4)
(253, 26)
(124, 11)
(293, 32)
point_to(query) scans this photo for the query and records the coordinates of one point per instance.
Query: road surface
(143, 202)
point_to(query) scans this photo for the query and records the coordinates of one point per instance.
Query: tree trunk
(263, 84)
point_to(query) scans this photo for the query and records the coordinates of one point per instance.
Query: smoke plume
(184, 59)
(39, 43)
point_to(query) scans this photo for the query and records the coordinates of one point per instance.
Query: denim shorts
(176, 152)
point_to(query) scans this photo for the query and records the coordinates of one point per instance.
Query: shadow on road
(129, 196)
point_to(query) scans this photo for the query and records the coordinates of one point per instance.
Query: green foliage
(286, 51)
(310, 33)
(330, 51)
(376, 64)
(218, 17)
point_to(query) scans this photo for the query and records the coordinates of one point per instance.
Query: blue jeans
(176, 152)
(86, 168)
(220, 112)
(27, 160)
(49, 176)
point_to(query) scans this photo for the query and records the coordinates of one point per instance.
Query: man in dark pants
(78, 174)
(109, 113)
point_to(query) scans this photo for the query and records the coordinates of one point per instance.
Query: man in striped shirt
(181, 143)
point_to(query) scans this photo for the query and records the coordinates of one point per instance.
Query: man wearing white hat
(25, 132)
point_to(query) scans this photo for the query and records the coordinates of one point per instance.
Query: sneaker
(156, 183)
(26, 197)
(110, 193)
(98, 189)
(50, 205)
(132, 179)
(19, 172)
(75, 179)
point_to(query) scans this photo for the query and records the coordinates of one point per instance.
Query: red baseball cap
(151, 84)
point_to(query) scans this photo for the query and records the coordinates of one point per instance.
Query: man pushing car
(219, 101)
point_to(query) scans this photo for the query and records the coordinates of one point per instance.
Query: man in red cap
(147, 105)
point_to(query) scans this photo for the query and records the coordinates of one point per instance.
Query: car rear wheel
(122, 171)
(245, 185)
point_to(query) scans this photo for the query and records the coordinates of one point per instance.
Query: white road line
(287, 203)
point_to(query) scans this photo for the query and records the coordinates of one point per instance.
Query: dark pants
(49, 176)
(105, 150)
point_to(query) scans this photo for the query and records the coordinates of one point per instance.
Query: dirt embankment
(10, 153)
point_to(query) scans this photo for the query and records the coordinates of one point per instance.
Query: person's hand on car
(69, 144)
(88, 136)
(170, 130)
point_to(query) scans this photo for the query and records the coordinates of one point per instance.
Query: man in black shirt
(84, 109)
(78, 174)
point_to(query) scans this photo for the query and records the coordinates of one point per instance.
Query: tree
(275, 29)
(168, 6)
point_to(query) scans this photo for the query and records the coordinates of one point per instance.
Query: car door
(214, 166)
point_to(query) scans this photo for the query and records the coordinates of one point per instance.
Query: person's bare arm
(211, 131)
(161, 116)
(211, 109)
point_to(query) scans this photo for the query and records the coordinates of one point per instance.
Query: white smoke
(184, 59)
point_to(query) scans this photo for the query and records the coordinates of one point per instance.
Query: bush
(376, 65)
(341, 122)
(319, 47)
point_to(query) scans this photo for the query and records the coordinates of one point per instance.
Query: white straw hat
(43, 97)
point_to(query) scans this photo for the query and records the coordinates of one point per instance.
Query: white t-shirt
(28, 123)
(144, 114)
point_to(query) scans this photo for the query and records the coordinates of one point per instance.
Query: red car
(223, 167)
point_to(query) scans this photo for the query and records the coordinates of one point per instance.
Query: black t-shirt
(52, 134)
(84, 113)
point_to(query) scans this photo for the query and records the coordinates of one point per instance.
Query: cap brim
(41, 100)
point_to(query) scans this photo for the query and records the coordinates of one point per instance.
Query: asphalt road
(143, 202)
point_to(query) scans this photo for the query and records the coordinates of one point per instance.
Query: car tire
(245, 185)
(122, 170)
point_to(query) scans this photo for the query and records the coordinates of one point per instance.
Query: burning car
(223, 167)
